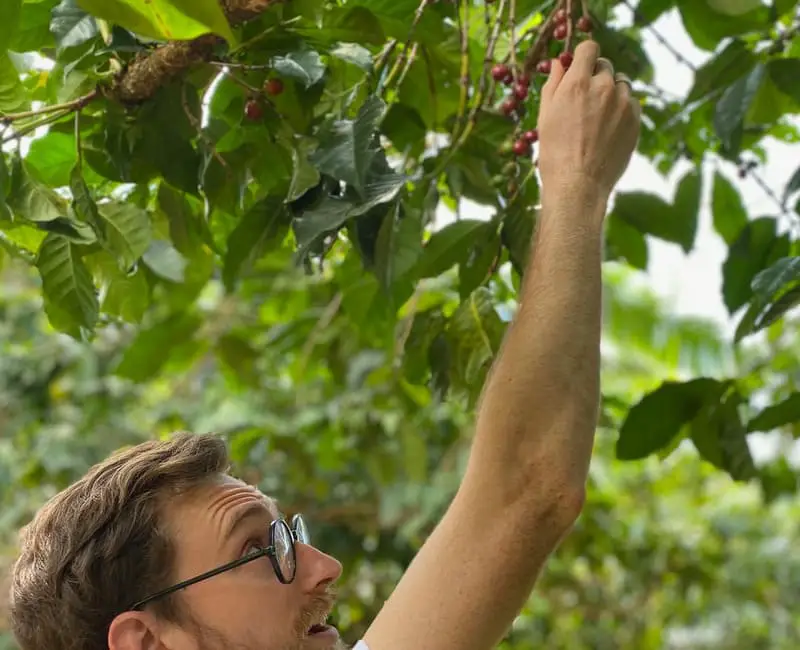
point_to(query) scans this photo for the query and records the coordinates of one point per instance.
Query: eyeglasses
(280, 551)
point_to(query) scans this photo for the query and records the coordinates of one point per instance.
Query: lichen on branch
(151, 70)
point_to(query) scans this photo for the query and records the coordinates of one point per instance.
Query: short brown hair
(101, 544)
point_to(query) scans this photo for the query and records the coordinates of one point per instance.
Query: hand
(588, 125)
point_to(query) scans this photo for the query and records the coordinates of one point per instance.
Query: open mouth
(317, 629)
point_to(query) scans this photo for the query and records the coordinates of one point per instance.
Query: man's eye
(253, 546)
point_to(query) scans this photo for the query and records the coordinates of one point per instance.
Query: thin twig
(401, 59)
(73, 105)
(241, 66)
(637, 17)
(30, 128)
(540, 44)
(463, 9)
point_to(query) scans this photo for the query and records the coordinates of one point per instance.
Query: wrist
(581, 198)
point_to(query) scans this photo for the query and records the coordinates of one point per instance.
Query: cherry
(509, 105)
(521, 91)
(560, 32)
(524, 78)
(543, 67)
(531, 136)
(566, 59)
(508, 79)
(253, 110)
(584, 24)
(521, 148)
(274, 87)
(561, 17)
(499, 72)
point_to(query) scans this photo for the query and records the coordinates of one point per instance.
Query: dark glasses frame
(297, 532)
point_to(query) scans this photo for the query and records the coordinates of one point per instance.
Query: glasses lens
(284, 549)
(301, 530)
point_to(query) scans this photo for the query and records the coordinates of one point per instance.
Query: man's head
(144, 520)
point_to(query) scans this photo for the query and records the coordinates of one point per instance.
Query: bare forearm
(537, 417)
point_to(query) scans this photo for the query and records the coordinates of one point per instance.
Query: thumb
(557, 72)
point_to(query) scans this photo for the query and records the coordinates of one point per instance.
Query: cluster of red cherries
(253, 110)
(519, 82)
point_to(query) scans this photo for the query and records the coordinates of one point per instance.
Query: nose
(316, 569)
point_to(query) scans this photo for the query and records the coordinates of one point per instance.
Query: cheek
(250, 601)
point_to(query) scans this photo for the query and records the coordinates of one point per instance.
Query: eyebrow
(255, 509)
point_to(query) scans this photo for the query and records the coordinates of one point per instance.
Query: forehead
(207, 519)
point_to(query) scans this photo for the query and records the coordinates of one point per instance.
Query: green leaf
(708, 27)
(71, 25)
(757, 246)
(687, 207)
(729, 213)
(398, 249)
(31, 200)
(784, 73)
(625, 242)
(69, 293)
(125, 231)
(651, 215)
(8, 25)
(264, 225)
(517, 235)
(127, 295)
(12, 94)
(654, 423)
(479, 264)
(306, 66)
(5, 187)
(733, 106)
(347, 147)
(353, 53)
(732, 63)
(779, 415)
(164, 19)
(719, 435)
(33, 27)
(154, 346)
(304, 174)
(451, 245)
(165, 261)
(51, 158)
(775, 291)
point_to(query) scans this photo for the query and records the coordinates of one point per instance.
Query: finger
(553, 80)
(624, 86)
(586, 55)
(604, 66)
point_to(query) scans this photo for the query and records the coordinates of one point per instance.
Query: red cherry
(560, 32)
(543, 67)
(274, 87)
(531, 136)
(499, 72)
(561, 17)
(521, 91)
(524, 78)
(508, 79)
(509, 105)
(521, 148)
(566, 59)
(253, 110)
(584, 24)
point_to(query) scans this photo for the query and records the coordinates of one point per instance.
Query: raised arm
(525, 481)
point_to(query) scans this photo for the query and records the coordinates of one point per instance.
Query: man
(158, 549)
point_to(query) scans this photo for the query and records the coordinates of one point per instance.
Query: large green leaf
(452, 245)
(71, 25)
(126, 231)
(69, 293)
(757, 246)
(732, 63)
(733, 106)
(265, 224)
(31, 200)
(163, 19)
(729, 213)
(775, 291)
(721, 438)
(12, 94)
(347, 147)
(305, 65)
(776, 416)
(8, 25)
(652, 215)
(659, 417)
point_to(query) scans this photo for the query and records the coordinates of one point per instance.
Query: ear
(133, 631)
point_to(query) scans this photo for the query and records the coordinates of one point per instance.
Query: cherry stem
(398, 64)
(241, 66)
(74, 105)
(585, 9)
